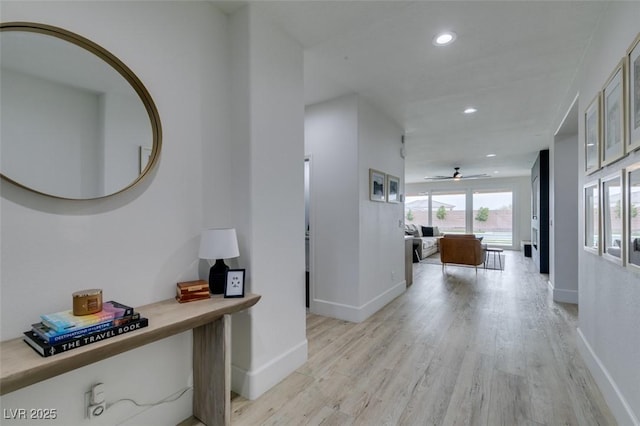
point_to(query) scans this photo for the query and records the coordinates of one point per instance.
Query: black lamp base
(218, 277)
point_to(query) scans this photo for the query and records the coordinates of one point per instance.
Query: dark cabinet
(540, 211)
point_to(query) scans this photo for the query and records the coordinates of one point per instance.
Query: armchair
(463, 249)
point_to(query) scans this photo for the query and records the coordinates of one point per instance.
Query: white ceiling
(512, 60)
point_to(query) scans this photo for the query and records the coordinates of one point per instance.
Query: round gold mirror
(76, 122)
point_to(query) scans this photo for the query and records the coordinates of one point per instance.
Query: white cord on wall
(152, 404)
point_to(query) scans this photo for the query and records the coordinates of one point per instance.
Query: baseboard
(357, 313)
(550, 285)
(252, 384)
(616, 401)
(565, 296)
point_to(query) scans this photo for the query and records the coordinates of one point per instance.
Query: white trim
(561, 295)
(565, 296)
(616, 401)
(357, 313)
(252, 384)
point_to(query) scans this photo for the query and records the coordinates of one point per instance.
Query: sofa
(426, 238)
(461, 249)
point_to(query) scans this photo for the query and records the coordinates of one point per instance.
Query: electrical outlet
(97, 403)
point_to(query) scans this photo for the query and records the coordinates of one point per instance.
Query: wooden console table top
(21, 366)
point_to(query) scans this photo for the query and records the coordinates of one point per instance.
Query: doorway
(307, 226)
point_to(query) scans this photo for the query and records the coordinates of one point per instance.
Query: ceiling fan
(456, 176)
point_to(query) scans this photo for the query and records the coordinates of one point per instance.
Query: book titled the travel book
(65, 321)
(52, 336)
(45, 349)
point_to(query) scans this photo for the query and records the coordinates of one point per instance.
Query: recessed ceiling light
(444, 38)
(470, 110)
(491, 155)
(496, 172)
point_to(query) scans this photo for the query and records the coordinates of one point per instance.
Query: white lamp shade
(219, 244)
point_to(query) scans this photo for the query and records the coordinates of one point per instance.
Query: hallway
(458, 348)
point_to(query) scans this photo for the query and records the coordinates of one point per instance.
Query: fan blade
(484, 175)
(437, 177)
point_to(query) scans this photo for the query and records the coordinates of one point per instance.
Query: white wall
(521, 187)
(609, 330)
(126, 128)
(268, 160)
(49, 122)
(381, 224)
(136, 245)
(563, 257)
(357, 245)
(331, 140)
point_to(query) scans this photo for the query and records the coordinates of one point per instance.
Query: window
(493, 217)
(448, 212)
(487, 213)
(416, 210)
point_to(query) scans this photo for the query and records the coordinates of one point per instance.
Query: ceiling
(513, 60)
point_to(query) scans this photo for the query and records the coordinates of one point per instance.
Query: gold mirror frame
(122, 69)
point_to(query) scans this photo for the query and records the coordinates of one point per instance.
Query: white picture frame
(393, 189)
(613, 218)
(633, 95)
(377, 186)
(592, 135)
(613, 110)
(592, 233)
(632, 201)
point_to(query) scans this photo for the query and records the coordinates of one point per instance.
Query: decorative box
(189, 291)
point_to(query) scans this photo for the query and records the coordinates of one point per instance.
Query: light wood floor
(456, 348)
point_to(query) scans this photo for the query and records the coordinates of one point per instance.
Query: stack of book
(62, 331)
(189, 291)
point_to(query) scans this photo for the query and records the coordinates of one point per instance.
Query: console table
(21, 366)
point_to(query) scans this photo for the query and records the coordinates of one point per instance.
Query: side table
(496, 252)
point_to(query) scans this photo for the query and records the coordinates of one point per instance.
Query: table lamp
(218, 244)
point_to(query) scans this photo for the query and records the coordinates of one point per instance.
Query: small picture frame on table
(234, 284)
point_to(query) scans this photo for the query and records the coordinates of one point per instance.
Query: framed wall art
(377, 183)
(592, 217)
(234, 285)
(613, 116)
(633, 94)
(393, 189)
(633, 216)
(613, 218)
(592, 136)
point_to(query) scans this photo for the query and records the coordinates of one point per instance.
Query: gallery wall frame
(632, 201)
(377, 185)
(633, 95)
(592, 135)
(613, 218)
(393, 189)
(591, 211)
(613, 116)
